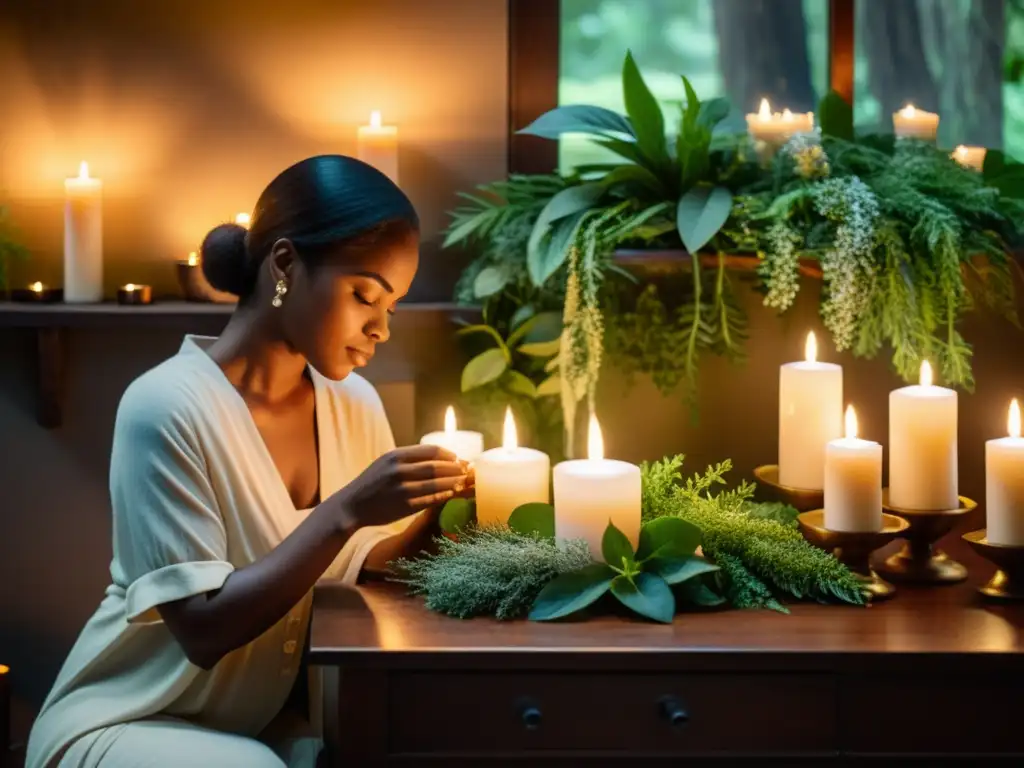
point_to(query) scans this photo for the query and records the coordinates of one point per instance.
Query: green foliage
(456, 515)
(534, 518)
(760, 558)
(10, 248)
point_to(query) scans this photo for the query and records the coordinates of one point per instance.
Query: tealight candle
(509, 477)
(913, 123)
(377, 145)
(83, 237)
(1004, 484)
(810, 415)
(970, 157)
(36, 292)
(133, 293)
(463, 443)
(5, 709)
(592, 492)
(922, 446)
(777, 128)
(853, 481)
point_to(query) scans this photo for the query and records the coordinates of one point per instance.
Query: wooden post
(841, 22)
(52, 356)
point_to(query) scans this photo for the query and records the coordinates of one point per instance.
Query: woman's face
(336, 314)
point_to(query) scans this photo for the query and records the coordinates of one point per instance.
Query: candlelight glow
(787, 115)
(811, 348)
(36, 287)
(961, 152)
(375, 121)
(193, 259)
(83, 170)
(908, 111)
(1013, 419)
(449, 420)
(595, 442)
(851, 423)
(243, 219)
(926, 373)
(765, 112)
(130, 287)
(509, 438)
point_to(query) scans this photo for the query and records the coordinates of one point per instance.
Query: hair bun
(226, 259)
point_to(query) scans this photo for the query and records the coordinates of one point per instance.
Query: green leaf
(456, 515)
(519, 318)
(578, 118)
(644, 112)
(571, 592)
(836, 116)
(541, 327)
(668, 537)
(696, 592)
(541, 348)
(692, 109)
(514, 381)
(635, 176)
(615, 547)
(543, 262)
(647, 594)
(471, 329)
(535, 517)
(627, 149)
(552, 385)
(1010, 182)
(994, 164)
(483, 369)
(701, 213)
(554, 250)
(712, 112)
(675, 570)
(489, 281)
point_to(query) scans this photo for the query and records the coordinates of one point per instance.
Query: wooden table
(933, 672)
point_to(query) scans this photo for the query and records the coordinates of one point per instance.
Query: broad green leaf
(533, 518)
(483, 369)
(546, 249)
(633, 176)
(514, 381)
(626, 149)
(456, 515)
(552, 385)
(668, 537)
(712, 112)
(552, 365)
(615, 547)
(471, 329)
(701, 213)
(521, 316)
(578, 118)
(647, 594)
(693, 153)
(675, 570)
(692, 109)
(697, 592)
(461, 231)
(571, 592)
(835, 116)
(544, 326)
(489, 281)
(644, 112)
(542, 348)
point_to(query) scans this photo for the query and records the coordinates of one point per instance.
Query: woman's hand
(400, 483)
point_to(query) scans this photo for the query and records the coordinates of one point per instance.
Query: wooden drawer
(509, 713)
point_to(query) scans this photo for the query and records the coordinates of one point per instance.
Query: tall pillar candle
(83, 238)
(810, 415)
(509, 477)
(591, 492)
(922, 446)
(853, 481)
(377, 145)
(1004, 485)
(463, 443)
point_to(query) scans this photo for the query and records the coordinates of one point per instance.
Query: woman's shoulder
(169, 395)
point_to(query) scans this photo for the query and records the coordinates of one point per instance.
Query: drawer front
(708, 713)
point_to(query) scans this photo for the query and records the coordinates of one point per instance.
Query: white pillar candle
(591, 492)
(463, 443)
(777, 128)
(1004, 485)
(83, 237)
(970, 157)
(912, 123)
(509, 477)
(853, 481)
(377, 145)
(922, 446)
(810, 415)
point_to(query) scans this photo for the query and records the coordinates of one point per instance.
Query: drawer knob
(672, 709)
(529, 713)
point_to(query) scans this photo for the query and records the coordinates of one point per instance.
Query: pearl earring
(279, 291)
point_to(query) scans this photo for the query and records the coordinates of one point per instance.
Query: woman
(243, 470)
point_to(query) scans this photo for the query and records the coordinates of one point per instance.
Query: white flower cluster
(848, 267)
(780, 269)
(808, 155)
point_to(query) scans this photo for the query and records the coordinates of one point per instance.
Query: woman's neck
(256, 359)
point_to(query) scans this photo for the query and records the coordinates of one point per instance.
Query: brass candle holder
(920, 561)
(801, 499)
(1008, 581)
(853, 548)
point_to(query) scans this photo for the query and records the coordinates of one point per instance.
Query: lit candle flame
(130, 287)
(765, 112)
(1013, 419)
(908, 111)
(851, 423)
(926, 373)
(36, 287)
(375, 121)
(449, 420)
(508, 436)
(961, 151)
(83, 170)
(595, 442)
(243, 219)
(787, 115)
(811, 348)
(193, 259)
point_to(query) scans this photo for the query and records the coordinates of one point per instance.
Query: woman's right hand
(400, 483)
